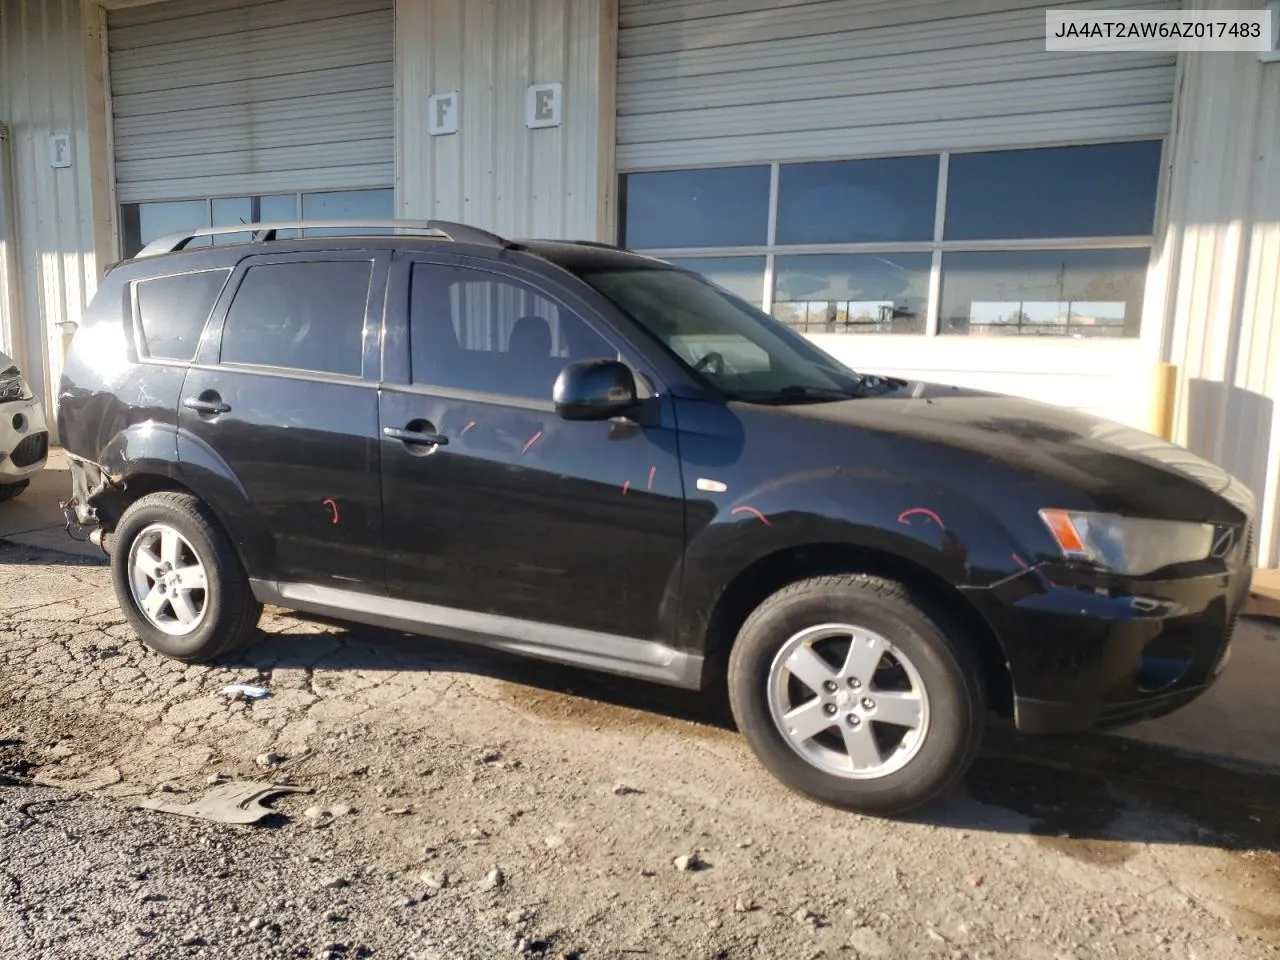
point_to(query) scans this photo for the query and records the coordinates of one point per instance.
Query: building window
(142, 223)
(1052, 241)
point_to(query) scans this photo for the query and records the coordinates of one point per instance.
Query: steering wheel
(712, 363)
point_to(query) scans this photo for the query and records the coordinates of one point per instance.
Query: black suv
(578, 453)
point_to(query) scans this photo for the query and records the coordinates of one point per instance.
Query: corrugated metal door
(237, 97)
(738, 81)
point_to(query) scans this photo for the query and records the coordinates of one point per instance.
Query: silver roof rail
(263, 232)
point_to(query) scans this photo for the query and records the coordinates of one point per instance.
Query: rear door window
(305, 316)
(172, 311)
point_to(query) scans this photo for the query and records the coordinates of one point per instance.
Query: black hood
(1121, 468)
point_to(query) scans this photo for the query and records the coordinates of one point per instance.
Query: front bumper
(24, 440)
(1087, 655)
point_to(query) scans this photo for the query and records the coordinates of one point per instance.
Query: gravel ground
(465, 804)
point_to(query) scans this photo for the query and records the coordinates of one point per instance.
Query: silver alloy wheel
(167, 580)
(848, 701)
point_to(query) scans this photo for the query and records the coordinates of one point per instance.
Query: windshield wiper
(798, 393)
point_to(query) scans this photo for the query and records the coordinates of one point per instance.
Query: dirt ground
(466, 804)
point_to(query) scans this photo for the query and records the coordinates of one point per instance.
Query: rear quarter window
(172, 311)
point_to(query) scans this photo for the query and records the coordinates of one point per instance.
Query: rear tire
(179, 581)
(851, 692)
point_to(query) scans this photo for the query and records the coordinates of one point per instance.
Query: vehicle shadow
(1094, 797)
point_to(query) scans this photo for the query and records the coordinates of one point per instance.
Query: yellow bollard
(1162, 391)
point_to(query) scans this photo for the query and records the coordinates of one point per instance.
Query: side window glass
(301, 316)
(474, 330)
(173, 311)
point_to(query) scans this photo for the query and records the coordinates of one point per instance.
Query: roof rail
(597, 243)
(265, 232)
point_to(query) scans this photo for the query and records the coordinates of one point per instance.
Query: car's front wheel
(179, 581)
(851, 692)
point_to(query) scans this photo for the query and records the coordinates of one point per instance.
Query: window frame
(209, 354)
(937, 246)
(138, 333)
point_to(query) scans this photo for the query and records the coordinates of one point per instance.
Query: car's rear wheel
(851, 691)
(178, 579)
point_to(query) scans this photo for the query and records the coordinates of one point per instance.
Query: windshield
(740, 350)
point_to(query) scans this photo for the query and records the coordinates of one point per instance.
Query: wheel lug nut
(855, 682)
(853, 720)
(829, 709)
(829, 686)
(868, 703)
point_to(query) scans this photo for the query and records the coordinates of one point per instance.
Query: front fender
(924, 523)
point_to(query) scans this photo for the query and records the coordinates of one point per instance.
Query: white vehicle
(24, 438)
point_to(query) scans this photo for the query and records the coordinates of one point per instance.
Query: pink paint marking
(625, 487)
(754, 512)
(925, 511)
(333, 506)
(1020, 562)
(466, 428)
(532, 441)
(652, 471)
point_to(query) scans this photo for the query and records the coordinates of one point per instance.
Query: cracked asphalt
(467, 804)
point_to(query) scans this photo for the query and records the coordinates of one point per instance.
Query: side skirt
(605, 652)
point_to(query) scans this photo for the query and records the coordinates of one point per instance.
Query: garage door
(733, 81)
(917, 185)
(255, 104)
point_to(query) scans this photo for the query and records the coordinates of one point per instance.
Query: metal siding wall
(238, 97)
(495, 172)
(1224, 292)
(42, 91)
(732, 81)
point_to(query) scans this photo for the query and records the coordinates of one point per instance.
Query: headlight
(13, 387)
(1127, 545)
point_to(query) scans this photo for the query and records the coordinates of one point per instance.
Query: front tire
(851, 692)
(179, 581)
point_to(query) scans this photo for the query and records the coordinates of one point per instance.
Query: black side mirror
(594, 390)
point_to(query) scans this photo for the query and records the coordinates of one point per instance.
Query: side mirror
(594, 390)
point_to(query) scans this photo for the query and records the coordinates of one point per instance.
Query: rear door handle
(413, 436)
(206, 406)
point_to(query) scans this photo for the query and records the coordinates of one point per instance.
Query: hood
(1122, 469)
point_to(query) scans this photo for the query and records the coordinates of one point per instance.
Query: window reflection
(888, 199)
(741, 276)
(852, 293)
(141, 223)
(1098, 190)
(349, 205)
(1067, 293)
(721, 207)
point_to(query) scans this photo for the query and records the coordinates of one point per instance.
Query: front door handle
(414, 436)
(203, 404)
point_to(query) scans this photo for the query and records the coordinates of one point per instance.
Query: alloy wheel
(848, 701)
